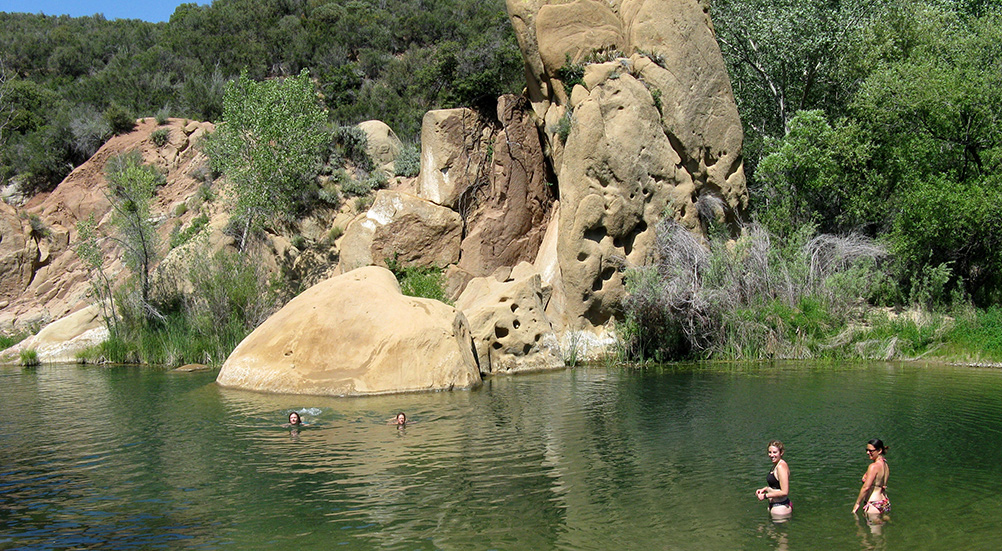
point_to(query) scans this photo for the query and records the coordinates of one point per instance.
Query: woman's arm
(871, 473)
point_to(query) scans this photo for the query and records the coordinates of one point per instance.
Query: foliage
(131, 187)
(408, 163)
(88, 248)
(229, 296)
(389, 60)
(119, 119)
(180, 235)
(757, 297)
(420, 281)
(570, 74)
(351, 143)
(29, 357)
(7, 341)
(160, 137)
(269, 145)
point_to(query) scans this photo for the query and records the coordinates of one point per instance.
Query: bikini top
(772, 481)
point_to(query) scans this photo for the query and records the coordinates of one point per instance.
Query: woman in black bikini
(778, 489)
(873, 493)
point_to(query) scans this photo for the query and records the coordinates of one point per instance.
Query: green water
(590, 458)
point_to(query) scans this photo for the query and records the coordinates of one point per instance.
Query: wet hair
(878, 445)
(397, 416)
(778, 444)
(298, 416)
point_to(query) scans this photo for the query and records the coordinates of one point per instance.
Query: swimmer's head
(401, 418)
(294, 418)
(878, 446)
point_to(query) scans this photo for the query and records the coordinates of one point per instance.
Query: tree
(269, 145)
(789, 55)
(6, 105)
(131, 187)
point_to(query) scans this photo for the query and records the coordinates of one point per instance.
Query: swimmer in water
(294, 420)
(399, 420)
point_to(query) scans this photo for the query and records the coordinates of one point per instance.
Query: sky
(153, 11)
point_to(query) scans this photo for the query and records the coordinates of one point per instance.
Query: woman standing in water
(777, 490)
(873, 492)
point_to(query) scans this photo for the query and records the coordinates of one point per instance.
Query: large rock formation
(650, 129)
(355, 334)
(381, 144)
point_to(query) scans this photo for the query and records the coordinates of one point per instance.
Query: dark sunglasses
(868, 450)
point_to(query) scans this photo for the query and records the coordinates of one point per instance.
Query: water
(592, 458)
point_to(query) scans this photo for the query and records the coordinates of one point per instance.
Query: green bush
(424, 282)
(352, 142)
(570, 74)
(162, 116)
(160, 137)
(7, 341)
(29, 357)
(563, 129)
(757, 297)
(181, 235)
(120, 119)
(408, 163)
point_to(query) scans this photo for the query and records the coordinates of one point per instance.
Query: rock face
(42, 279)
(509, 323)
(650, 128)
(18, 254)
(355, 334)
(454, 158)
(507, 217)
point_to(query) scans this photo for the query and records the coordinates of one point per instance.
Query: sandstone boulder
(454, 155)
(63, 339)
(509, 323)
(382, 144)
(355, 334)
(400, 226)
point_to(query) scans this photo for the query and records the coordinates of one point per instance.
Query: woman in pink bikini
(873, 496)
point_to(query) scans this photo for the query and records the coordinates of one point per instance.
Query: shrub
(363, 203)
(180, 235)
(415, 281)
(180, 209)
(408, 163)
(334, 234)
(563, 129)
(160, 137)
(7, 341)
(29, 357)
(570, 74)
(757, 297)
(352, 142)
(162, 116)
(120, 119)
